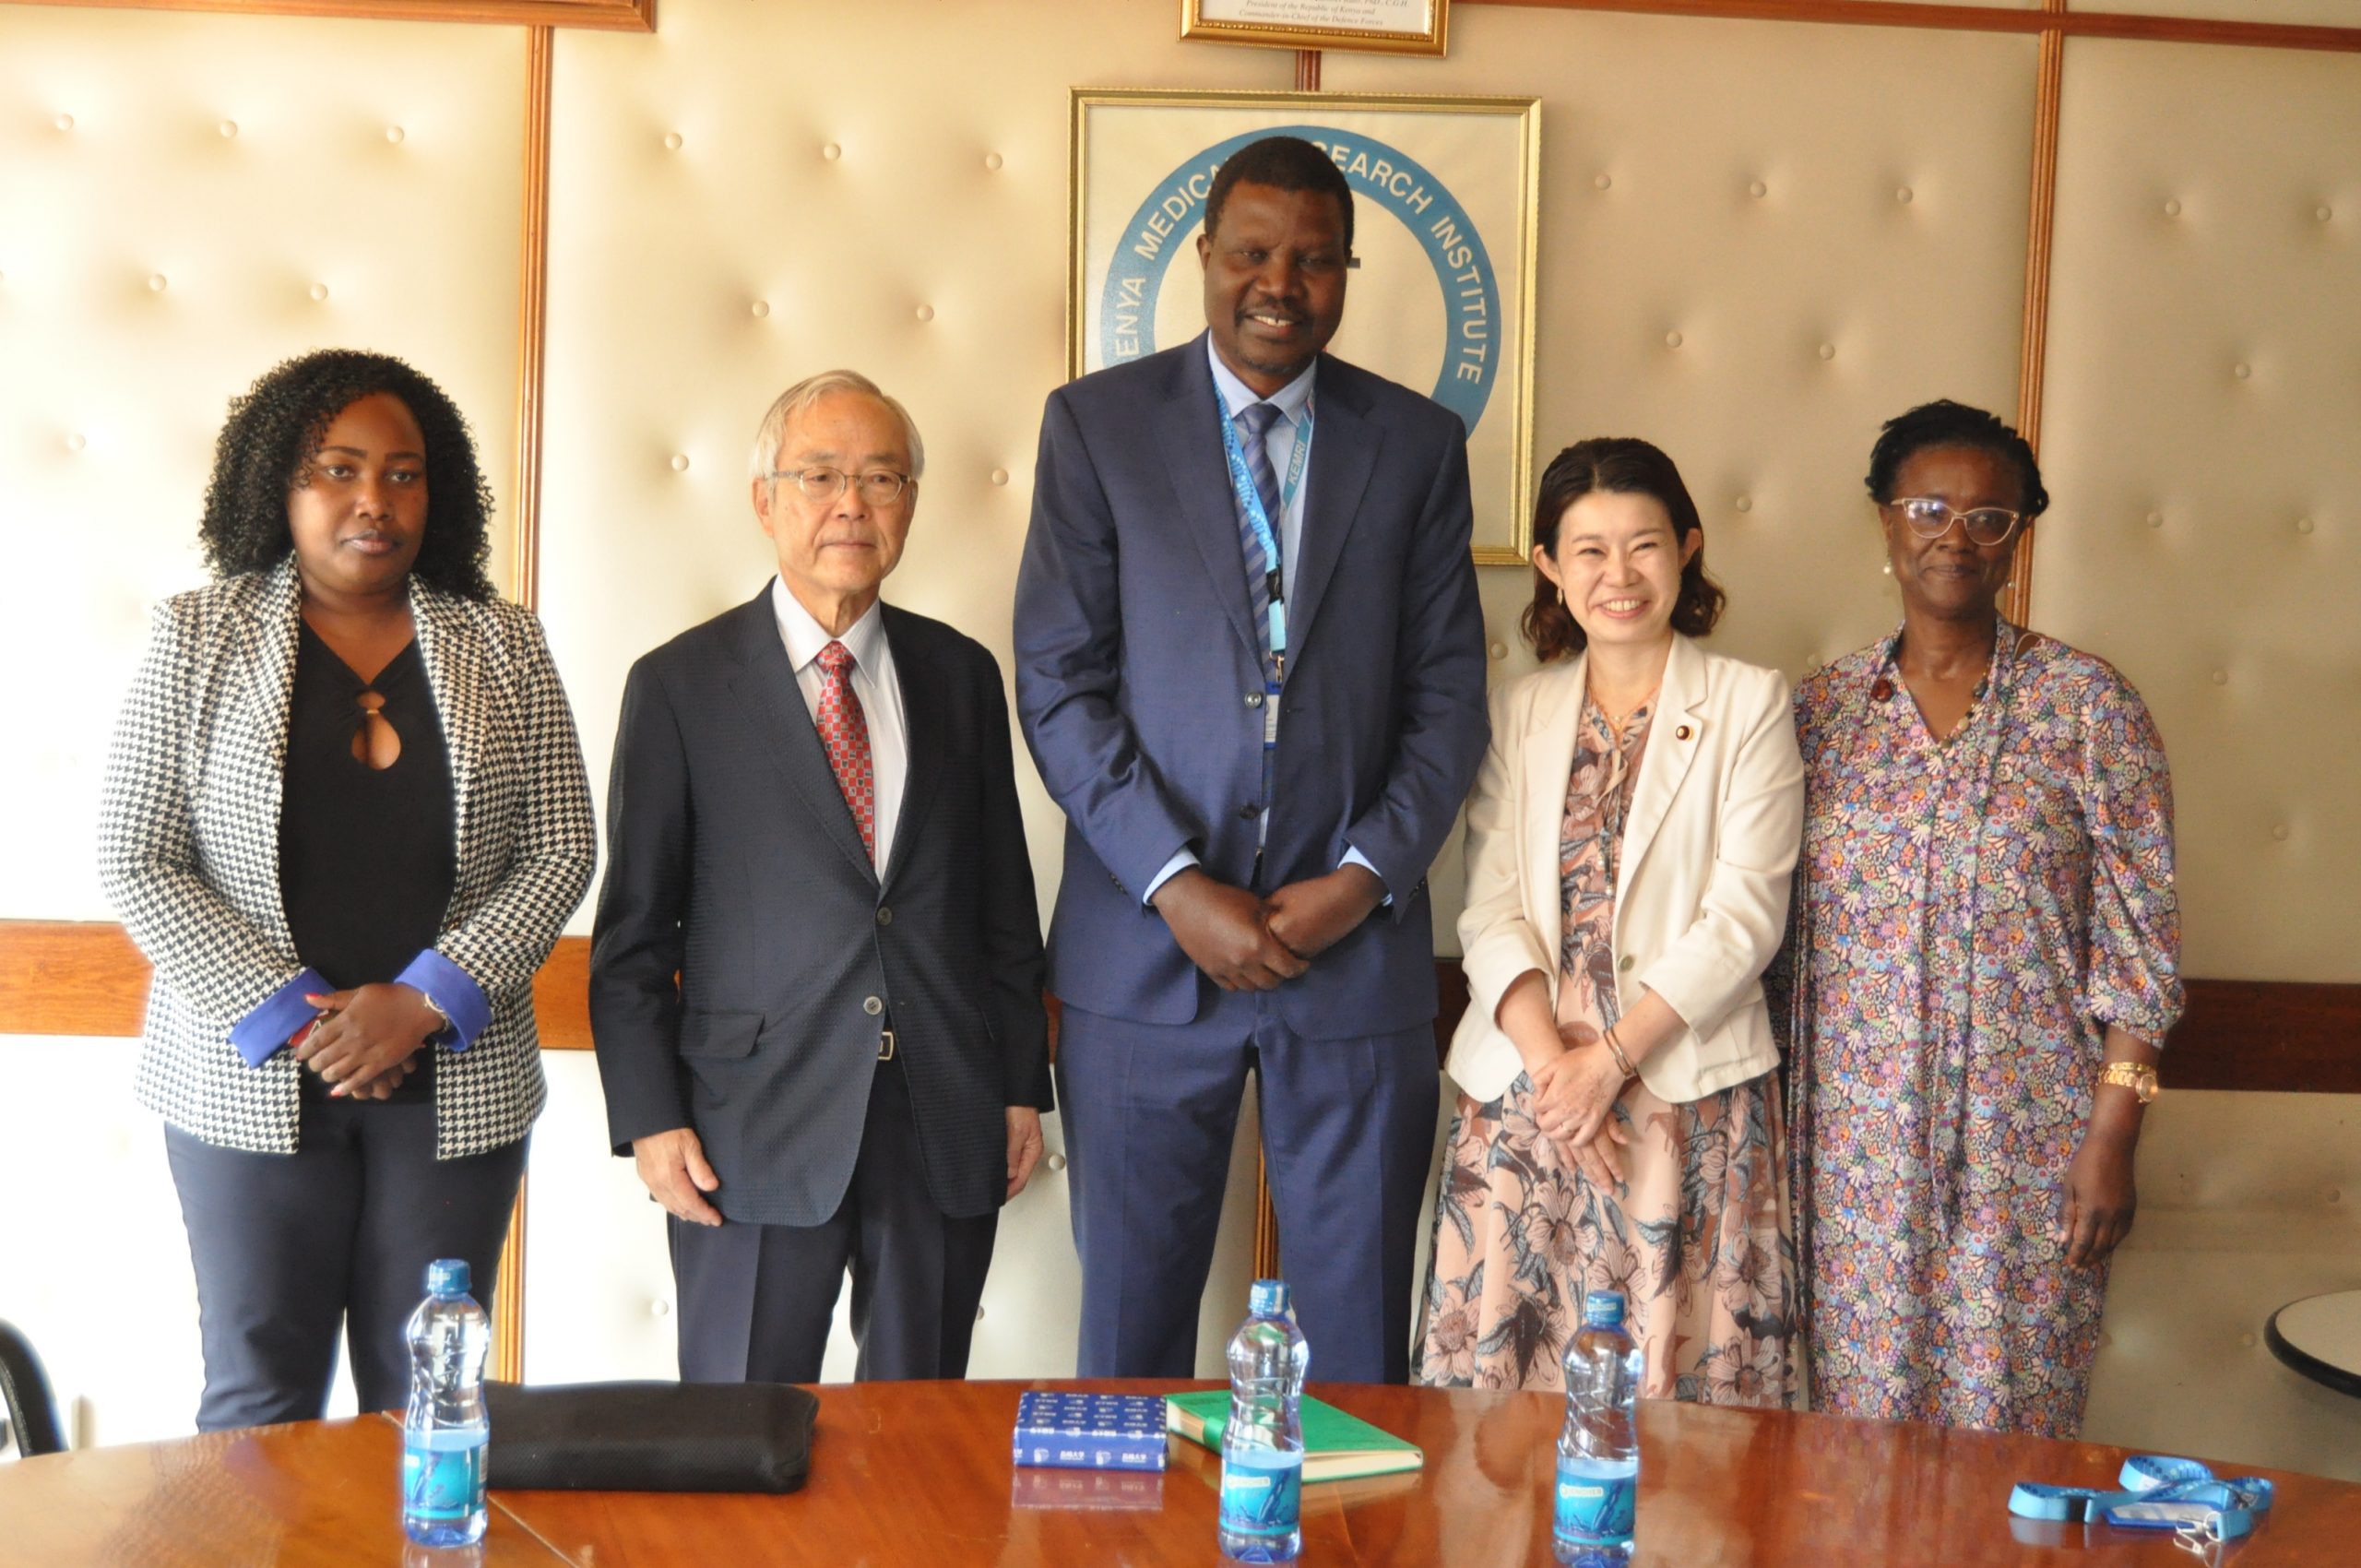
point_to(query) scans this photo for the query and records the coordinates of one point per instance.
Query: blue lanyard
(1250, 501)
(2155, 1494)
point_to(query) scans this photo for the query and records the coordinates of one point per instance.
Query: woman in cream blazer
(1629, 844)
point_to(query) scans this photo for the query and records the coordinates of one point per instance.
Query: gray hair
(801, 397)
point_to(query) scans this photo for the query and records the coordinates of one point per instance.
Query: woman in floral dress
(1630, 848)
(1986, 961)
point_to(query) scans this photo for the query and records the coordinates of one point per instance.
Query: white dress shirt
(1293, 401)
(873, 681)
(1278, 444)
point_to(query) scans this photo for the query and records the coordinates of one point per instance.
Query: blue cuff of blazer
(265, 1029)
(455, 994)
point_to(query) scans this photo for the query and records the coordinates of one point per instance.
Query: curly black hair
(274, 431)
(1946, 424)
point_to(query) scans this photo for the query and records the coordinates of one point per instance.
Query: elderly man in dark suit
(815, 983)
(1251, 667)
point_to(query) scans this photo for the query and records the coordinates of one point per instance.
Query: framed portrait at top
(1440, 296)
(1389, 26)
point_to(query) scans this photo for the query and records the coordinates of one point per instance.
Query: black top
(365, 855)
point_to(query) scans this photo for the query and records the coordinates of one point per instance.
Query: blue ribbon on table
(2156, 1493)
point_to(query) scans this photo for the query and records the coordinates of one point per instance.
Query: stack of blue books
(1090, 1431)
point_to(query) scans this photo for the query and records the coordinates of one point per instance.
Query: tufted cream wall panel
(1756, 244)
(2205, 323)
(715, 238)
(94, 1264)
(184, 200)
(2247, 1202)
(93, 1246)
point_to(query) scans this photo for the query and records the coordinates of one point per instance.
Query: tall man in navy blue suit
(1250, 665)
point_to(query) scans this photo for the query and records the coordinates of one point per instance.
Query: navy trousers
(1150, 1112)
(756, 1301)
(288, 1247)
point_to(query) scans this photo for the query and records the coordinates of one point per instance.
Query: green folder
(1335, 1446)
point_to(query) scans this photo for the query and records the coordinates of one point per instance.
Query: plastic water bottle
(444, 1430)
(1599, 1453)
(1261, 1445)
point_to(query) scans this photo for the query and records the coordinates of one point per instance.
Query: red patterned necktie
(844, 729)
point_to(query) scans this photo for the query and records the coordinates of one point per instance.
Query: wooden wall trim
(1976, 19)
(605, 15)
(2267, 1034)
(508, 1297)
(85, 978)
(532, 321)
(70, 978)
(525, 553)
(2033, 352)
(639, 15)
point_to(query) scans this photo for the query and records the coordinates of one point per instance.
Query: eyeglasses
(1931, 518)
(879, 487)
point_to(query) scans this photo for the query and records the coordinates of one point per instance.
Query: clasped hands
(1573, 1105)
(1245, 943)
(365, 1040)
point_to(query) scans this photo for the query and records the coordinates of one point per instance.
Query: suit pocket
(719, 1034)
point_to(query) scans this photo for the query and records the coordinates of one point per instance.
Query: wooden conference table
(918, 1474)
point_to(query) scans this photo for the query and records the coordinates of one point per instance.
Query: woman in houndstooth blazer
(345, 817)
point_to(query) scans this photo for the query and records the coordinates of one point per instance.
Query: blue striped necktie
(1254, 421)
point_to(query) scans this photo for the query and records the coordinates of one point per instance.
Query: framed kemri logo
(1445, 196)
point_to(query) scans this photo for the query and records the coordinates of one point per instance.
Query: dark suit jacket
(733, 862)
(1136, 664)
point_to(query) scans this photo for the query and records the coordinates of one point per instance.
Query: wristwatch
(2137, 1076)
(445, 1014)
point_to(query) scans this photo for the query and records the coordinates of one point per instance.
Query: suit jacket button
(1682, 734)
(1624, 962)
(872, 1006)
(1253, 699)
(1250, 811)
(884, 915)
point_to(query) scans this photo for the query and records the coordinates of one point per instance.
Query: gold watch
(2137, 1076)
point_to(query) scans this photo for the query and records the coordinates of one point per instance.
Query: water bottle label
(442, 1484)
(1262, 1493)
(1596, 1509)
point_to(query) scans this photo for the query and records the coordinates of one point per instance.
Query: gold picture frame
(1378, 26)
(1442, 299)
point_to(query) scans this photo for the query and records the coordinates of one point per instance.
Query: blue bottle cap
(446, 1276)
(1603, 1308)
(1269, 1298)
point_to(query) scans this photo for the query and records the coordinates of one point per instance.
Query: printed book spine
(1081, 1451)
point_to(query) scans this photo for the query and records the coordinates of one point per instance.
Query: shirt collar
(1236, 395)
(805, 637)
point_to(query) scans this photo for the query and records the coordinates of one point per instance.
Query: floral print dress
(1970, 913)
(1696, 1237)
